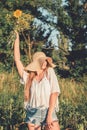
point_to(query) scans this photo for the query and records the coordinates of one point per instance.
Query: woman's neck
(40, 72)
(40, 75)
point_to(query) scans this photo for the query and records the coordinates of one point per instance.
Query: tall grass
(11, 101)
(73, 91)
(8, 86)
(8, 83)
(72, 94)
(73, 104)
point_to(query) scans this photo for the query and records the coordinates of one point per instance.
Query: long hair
(28, 85)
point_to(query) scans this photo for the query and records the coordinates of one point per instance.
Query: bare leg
(37, 127)
(33, 127)
(55, 126)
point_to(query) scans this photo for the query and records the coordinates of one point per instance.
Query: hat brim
(49, 60)
(35, 65)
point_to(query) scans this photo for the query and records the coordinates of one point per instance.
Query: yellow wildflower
(17, 13)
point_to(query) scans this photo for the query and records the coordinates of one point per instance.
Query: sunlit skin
(43, 67)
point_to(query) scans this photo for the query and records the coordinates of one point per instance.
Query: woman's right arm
(18, 62)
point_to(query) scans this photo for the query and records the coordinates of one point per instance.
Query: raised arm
(18, 62)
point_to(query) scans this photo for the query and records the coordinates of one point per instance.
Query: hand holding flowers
(21, 21)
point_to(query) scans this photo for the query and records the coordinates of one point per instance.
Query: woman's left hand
(49, 121)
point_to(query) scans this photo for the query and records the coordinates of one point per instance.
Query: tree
(77, 34)
(71, 21)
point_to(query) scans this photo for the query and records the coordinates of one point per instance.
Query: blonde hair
(28, 85)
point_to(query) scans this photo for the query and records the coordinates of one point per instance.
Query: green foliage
(71, 23)
(77, 70)
(11, 102)
(9, 23)
(74, 117)
(73, 104)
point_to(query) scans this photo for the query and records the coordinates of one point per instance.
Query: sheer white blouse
(41, 91)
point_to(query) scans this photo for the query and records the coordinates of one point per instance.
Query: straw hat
(35, 65)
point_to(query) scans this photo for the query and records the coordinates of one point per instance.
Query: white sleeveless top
(41, 91)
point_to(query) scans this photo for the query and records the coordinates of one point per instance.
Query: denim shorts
(38, 116)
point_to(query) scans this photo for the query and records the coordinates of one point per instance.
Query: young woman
(41, 90)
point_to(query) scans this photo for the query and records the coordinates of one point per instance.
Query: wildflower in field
(17, 13)
(22, 21)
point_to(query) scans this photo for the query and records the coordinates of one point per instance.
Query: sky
(55, 34)
(44, 26)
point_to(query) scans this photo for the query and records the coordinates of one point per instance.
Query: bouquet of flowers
(21, 21)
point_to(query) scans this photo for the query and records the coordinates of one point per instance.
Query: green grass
(72, 91)
(73, 105)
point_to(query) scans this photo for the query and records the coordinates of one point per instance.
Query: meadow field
(72, 102)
